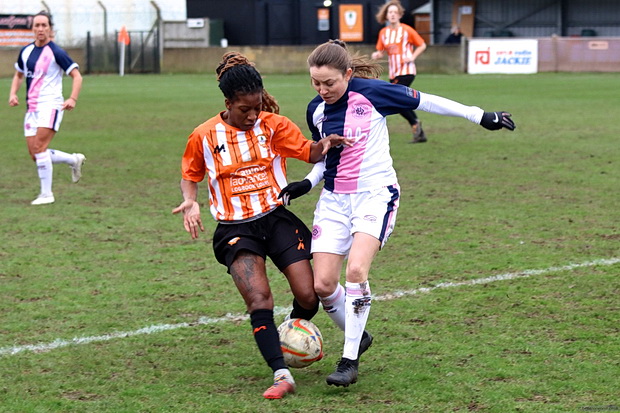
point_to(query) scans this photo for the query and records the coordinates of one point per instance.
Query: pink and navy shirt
(43, 68)
(361, 114)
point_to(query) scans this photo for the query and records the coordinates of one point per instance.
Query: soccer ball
(301, 342)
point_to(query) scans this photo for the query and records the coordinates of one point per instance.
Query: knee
(308, 300)
(325, 287)
(259, 301)
(35, 148)
(356, 273)
(32, 150)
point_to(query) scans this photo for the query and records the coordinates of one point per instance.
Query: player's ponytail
(237, 75)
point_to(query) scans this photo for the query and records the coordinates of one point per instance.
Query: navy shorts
(279, 235)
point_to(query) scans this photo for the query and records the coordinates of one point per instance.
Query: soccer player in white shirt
(42, 63)
(356, 211)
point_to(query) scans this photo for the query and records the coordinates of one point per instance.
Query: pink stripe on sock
(329, 302)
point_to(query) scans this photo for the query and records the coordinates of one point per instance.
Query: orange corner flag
(123, 36)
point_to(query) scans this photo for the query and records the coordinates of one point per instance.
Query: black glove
(295, 190)
(497, 120)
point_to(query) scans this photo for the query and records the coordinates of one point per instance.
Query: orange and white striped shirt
(399, 43)
(246, 169)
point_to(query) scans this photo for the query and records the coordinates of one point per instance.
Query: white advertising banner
(502, 56)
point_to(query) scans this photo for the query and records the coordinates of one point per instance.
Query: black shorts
(279, 235)
(406, 80)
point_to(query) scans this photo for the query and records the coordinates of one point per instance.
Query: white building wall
(74, 18)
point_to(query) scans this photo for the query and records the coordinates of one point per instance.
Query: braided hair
(238, 76)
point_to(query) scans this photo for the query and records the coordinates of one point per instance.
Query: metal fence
(142, 54)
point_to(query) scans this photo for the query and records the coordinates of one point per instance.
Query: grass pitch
(108, 306)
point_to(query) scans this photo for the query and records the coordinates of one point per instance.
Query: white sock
(357, 309)
(286, 373)
(334, 306)
(45, 170)
(61, 157)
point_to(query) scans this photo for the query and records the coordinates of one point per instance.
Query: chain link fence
(142, 54)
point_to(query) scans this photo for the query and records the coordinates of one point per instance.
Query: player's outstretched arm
(446, 107)
(497, 120)
(297, 189)
(190, 208)
(320, 148)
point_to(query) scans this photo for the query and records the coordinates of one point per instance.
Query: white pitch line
(59, 343)
(499, 277)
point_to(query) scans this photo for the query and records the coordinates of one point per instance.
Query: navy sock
(300, 312)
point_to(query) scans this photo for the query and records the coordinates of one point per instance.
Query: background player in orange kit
(403, 46)
(242, 151)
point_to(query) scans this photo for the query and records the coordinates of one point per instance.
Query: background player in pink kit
(357, 208)
(42, 63)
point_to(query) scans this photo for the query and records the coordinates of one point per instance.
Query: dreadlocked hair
(238, 76)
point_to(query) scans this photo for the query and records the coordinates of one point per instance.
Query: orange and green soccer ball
(301, 342)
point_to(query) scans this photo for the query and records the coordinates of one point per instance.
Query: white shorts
(45, 117)
(338, 216)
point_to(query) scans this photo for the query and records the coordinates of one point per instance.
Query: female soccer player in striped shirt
(403, 46)
(242, 152)
(356, 211)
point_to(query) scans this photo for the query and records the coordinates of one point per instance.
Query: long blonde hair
(335, 54)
